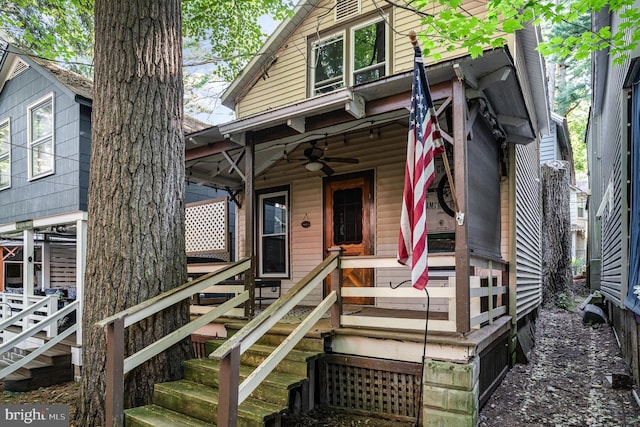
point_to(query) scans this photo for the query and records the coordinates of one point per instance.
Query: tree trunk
(556, 231)
(136, 246)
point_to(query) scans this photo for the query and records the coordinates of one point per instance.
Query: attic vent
(347, 9)
(19, 67)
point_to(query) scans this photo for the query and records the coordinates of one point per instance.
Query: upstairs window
(40, 136)
(369, 52)
(353, 56)
(328, 64)
(5, 154)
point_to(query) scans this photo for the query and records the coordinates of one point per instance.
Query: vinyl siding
(54, 194)
(385, 155)
(285, 82)
(528, 262)
(611, 163)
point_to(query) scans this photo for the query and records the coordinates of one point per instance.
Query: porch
(371, 341)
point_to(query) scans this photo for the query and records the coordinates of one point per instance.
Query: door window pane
(347, 216)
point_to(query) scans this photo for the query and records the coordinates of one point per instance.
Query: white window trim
(352, 45)
(30, 143)
(7, 156)
(312, 59)
(287, 236)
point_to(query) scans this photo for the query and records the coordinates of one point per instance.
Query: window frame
(322, 41)
(261, 197)
(352, 57)
(6, 156)
(347, 31)
(42, 140)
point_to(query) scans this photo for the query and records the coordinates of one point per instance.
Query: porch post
(27, 270)
(249, 211)
(81, 262)
(460, 172)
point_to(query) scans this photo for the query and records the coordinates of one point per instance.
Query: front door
(348, 204)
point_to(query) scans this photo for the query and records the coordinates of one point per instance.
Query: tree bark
(556, 231)
(136, 246)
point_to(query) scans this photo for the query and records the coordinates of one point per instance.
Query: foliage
(449, 24)
(565, 302)
(229, 31)
(56, 29)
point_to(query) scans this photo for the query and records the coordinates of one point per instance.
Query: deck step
(275, 388)
(295, 363)
(201, 402)
(157, 416)
(278, 334)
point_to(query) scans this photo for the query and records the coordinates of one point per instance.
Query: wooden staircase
(52, 367)
(193, 401)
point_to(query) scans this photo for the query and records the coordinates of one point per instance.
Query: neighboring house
(556, 145)
(316, 158)
(613, 138)
(45, 144)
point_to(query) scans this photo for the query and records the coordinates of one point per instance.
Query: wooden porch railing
(231, 392)
(477, 292)
(32, 309)
(118, 365)
(48, 323)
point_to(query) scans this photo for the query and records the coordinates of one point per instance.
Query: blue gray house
(45, 146)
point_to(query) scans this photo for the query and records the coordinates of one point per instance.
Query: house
(613, 141)
(45, 145)
(316, 160)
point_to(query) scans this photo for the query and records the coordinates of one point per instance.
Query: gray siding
(528, 229)
(54, 194)
(549, 146)
(611, 167)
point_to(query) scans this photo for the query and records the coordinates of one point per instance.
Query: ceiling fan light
(313, 166)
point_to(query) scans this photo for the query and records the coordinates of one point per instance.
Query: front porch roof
(214, 155)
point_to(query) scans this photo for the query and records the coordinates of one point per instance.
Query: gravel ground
(564, 384)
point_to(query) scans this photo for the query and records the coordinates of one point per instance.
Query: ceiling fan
(315, 160)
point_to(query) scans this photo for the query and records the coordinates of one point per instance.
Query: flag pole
(414, 42)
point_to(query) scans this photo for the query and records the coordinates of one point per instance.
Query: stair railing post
(336, 284)
(114, 394)
(52, 307)
(229, 383)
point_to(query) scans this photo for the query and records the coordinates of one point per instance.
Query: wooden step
(157, 416)
(201, 402)
(296, 362)
(275, 388)
(277, 334)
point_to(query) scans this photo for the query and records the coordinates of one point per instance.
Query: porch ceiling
(215, 156)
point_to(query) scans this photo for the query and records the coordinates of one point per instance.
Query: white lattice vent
(347, 9)
(206, 227)
(18, 68)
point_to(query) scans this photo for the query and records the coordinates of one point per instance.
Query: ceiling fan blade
(340, 159)
(326, 169)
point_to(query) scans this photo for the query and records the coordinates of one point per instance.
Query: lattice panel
(206, 227)
(370, 385)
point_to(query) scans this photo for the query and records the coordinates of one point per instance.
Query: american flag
(424, 142)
